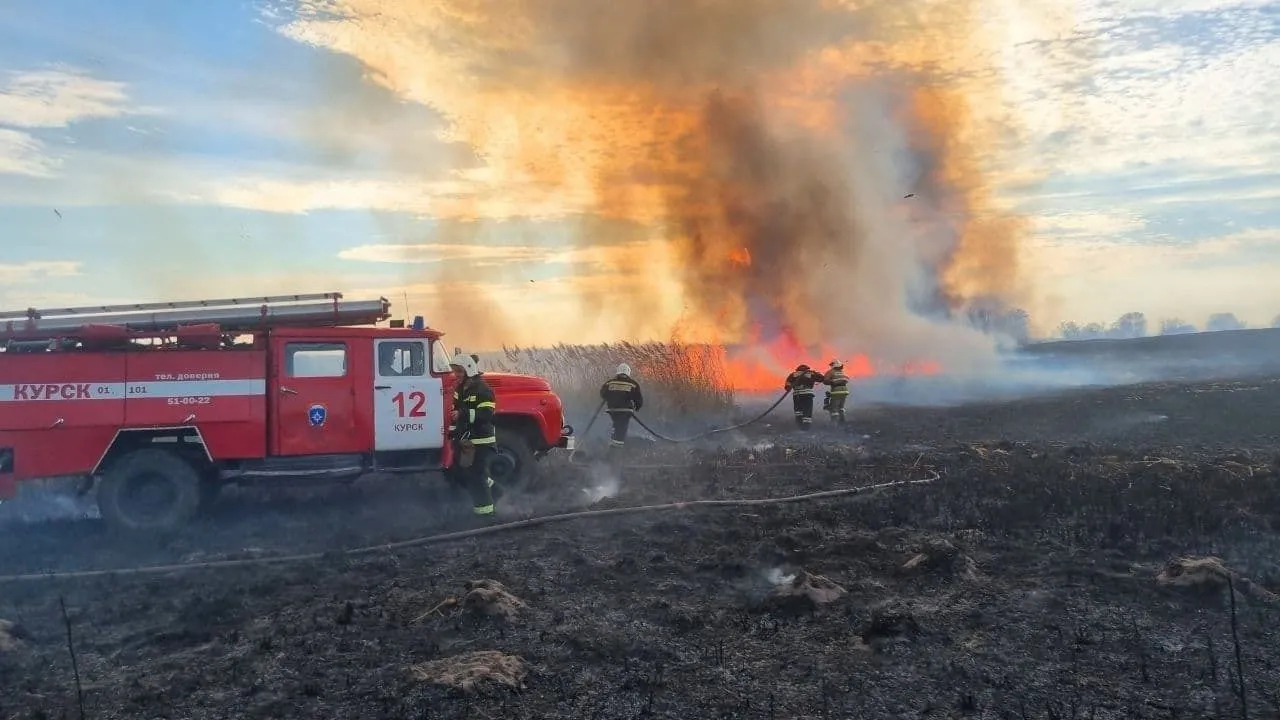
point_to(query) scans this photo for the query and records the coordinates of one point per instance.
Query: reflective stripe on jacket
(621, 393)
(801, 383)
(838, 381)
(475, 404)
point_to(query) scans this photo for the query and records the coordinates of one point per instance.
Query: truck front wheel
(512, 466)
(149, 491)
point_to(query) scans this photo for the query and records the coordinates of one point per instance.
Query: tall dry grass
(682, 384)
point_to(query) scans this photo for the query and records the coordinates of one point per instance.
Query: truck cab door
(315, 408)
(408, 402)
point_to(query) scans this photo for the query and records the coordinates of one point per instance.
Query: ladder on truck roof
(230, 314)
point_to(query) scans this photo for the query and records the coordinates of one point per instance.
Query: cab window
(315, 360)
(402, 359)
(439, 358)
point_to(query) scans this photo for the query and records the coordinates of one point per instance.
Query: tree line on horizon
(1135, 325)
(1015, 323)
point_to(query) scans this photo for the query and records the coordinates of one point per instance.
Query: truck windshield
(439, 358)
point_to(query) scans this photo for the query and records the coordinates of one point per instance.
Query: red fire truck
(160, 405)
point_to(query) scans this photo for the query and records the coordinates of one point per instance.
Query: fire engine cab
(161, 404)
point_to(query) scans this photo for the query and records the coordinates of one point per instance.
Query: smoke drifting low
(814, 165)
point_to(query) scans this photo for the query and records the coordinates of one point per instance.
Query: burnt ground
(1028, 579)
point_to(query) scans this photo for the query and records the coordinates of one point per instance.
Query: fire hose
(699, 436)
(463, 534)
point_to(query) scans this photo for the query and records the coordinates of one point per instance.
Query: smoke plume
(823, 166)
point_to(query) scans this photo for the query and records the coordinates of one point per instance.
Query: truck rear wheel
(512, 466)
(149, 491)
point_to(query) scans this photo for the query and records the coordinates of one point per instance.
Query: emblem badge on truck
(317, 414)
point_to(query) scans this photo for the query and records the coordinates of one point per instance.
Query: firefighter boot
(613, 456)
(837, 408)
(481, 487)
(804, 412)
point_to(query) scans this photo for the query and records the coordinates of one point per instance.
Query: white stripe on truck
(30, 392)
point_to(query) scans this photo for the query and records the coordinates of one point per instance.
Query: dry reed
(681, 383)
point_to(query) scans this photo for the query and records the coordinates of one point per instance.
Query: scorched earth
(1061, 557)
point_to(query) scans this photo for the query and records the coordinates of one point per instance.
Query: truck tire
(210, 487)
(512, 467)
(149, 491)
(210, 491)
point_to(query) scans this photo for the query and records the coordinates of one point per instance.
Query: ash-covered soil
(1030, 578)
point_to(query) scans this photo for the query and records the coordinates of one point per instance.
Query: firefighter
(622, 398)
(801, 383)
(472, 431)
(838, 382)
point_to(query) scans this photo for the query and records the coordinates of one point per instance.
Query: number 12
(416, 397)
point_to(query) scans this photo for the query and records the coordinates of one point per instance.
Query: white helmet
(624, 369)
(837, 365)
(467, 363)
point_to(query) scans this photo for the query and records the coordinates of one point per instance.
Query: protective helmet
(624, 369)
(801, 367)
(837, 364)
(467, 363)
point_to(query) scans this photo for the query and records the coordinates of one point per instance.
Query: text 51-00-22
(190, 400)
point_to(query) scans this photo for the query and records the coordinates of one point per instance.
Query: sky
(426, 152)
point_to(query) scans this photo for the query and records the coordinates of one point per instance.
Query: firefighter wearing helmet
(472, 431)
(838, 381)
(800, 383)
(622, 398)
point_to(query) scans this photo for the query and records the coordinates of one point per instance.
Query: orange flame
(761, 366)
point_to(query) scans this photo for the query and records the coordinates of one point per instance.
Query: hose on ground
(660, 436)
(709, 433)
(594, 416)
(462, 534)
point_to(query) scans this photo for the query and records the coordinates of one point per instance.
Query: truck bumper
(566, 440)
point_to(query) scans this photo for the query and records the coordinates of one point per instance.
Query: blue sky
(201, 149)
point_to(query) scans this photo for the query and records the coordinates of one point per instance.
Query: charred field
(1072, 555)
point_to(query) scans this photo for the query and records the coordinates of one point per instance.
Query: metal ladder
(231, 314)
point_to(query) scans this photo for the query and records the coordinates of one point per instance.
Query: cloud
(1234, 272)
(22, 154)
(46, 99)
(442, 252)
(460, 196)
(1087, 226)
(621, 255)
(59, 97)
(33, 284)
(1107, 260)
(1185, 85)
(38, 271)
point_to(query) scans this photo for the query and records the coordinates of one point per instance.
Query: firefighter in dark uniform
(622, 399)
(838, 382)
(473, 433)
(801, 383)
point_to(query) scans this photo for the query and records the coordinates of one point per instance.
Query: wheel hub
(149, 496)
(502, 467)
